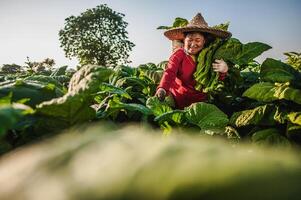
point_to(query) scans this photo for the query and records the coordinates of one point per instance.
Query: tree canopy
(96, 36)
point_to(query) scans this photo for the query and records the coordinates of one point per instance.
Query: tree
(96, 36)
(43, 66)
(11, 68)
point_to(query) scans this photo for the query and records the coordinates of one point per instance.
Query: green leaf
(108, 88)
(162, 64)
(10, 115)
(237, 53)
(232, 133)
(43, 79)
(163, 27)
(175, 116)
(169, 119)
(74, 107)
(154, 75)
(179, 22)
(133, 107)
(294, 59)
(229, 50)
(206, 78)
(223, 26)
(294, 117)
(59, 71)
(88, 78)
(6, 99)
(115, 106)
(37, 92)
(269, 136)
(261, 115)
(250, 51)
(71, 108)
(277, 71)
(125, 71)
(158, 107)
(206, 116)
(132, 81)
(268, 92)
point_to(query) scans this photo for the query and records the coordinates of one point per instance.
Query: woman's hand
(220, 66)
(161, 94)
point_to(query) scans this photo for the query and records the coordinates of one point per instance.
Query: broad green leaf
(37, 92)
(74, 107)
(44, 80)
(163, 27)
(229, 50)
(169, 119)
(261, 115)
(137, 107)
(206, 78)
(158, 107)
(148, 66)
(92, 74)
(294, 117)
(115, 106)
(223, 26)
(237, 53)
(153, 75)
(62, 79)
(206, 116)
(162, 64)
(179, 22)
(271, 136)
(132, 81)
(121, 71)
(59, 71)
(10, 115)
(108, 88)
(232, 133)
(276, 71)
(133, 107)
(268, 92)
(294, 59)
(175, 116)
(71, 108)
(250, 51)
(6, 99)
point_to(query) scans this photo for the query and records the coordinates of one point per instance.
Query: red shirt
(178, 79)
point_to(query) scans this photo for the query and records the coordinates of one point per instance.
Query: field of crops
(169, 153)
(257, 102)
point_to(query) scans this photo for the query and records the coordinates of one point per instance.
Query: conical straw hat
(197, 24)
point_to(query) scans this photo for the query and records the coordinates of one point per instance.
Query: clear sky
(30, 27)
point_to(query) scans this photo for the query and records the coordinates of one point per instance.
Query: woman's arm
(171, 71)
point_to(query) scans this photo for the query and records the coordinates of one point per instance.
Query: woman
(177, 80)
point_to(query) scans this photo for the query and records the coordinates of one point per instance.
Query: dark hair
(208, 37)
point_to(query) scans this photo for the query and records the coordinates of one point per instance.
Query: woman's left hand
(220, 66)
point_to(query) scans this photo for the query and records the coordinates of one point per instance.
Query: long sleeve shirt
(178, 79)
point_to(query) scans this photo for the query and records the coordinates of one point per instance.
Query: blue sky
(30, 27)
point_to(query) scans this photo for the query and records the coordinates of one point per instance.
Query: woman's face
(193, 43)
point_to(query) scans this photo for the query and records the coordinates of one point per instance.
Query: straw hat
(197, 24)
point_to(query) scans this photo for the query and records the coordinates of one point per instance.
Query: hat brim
(178, 33)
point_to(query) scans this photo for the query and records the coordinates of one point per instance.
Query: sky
(30, 27)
